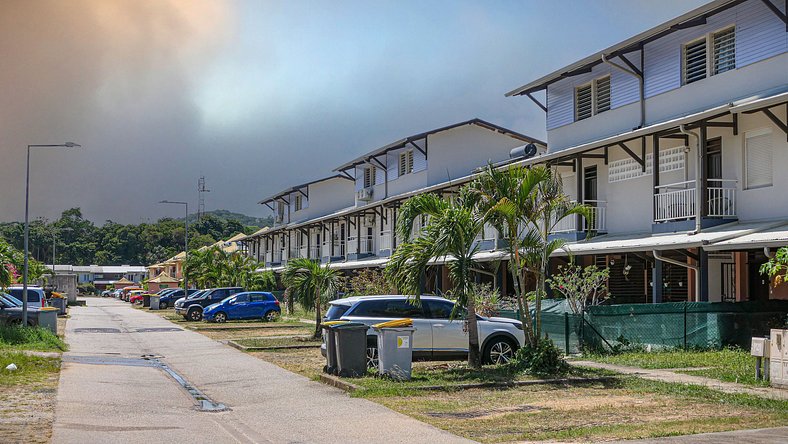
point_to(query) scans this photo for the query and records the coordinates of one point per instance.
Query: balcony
(568, 227)
(339, 250)
(385, 243)
(360, 247)
(675, 205)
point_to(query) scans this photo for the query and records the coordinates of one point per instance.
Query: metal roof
(629, 45)
(287, 191)
(403, 142)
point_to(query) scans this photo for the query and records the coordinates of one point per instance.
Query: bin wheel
(372, 353)
(162, 305)
(270, 316)
(195, 314)
(499, 350)
(220, 317)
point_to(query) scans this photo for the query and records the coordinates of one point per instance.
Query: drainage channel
(202, 401)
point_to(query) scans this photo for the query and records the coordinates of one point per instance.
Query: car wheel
(162, 305)
(271, 316)
(220, 317)
(372, 353)
(195, 314)
(499, 350)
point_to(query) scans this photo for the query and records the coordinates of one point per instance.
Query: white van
(35, 296)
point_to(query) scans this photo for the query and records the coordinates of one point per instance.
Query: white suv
(436, 336)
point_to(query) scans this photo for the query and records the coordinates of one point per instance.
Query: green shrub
(31, 338)
(545, 359)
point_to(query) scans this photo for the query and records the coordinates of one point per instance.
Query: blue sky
(257, 96)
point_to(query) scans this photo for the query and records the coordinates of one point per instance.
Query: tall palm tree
(451, 231)
(311, 284)
(505, 196)
(525, 205)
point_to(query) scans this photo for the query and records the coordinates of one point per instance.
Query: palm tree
(311, 284)
(451, 231)
(525, 205)
(506, 199)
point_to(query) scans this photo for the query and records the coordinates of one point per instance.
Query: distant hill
(242, 218)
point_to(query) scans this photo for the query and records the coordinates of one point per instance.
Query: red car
(136, 297)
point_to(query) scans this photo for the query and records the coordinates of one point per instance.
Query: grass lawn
(628, 408)
(27, 395)
(279, 341)
(730, 365)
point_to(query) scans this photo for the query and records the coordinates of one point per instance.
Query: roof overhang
(690, 19)
(401, 143)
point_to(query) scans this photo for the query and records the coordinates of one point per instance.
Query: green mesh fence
(666, 325)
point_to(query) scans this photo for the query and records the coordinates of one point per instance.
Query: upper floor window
(299, 202)
(369, 176)
(592, 98)
(405, 162)
(709, 55)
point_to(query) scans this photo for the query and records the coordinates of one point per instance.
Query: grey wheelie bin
(331, 346)
(154, 302)
(395, 351)
(146, 300)
(351, 345)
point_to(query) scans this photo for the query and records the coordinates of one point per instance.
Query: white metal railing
(339, 248)
(314, 252)
(363, 244)
(277, 256)
(598, 220)
(269, 256)
(565, 225)
(677, 201)
(722, 197)
(385, 240)
(674, 201)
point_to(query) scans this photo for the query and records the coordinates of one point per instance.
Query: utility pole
(200, 198)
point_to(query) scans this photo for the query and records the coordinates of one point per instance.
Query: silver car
(436, 336)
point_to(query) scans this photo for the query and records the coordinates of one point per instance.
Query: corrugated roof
(287, 191)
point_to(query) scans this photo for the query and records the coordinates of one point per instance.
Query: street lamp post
(186, 244)
(27, 222)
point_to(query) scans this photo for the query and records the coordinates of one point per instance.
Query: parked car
(136, 296)
(191, 307)
(168, 299)
(11, 311)
(127, 292)
(436, 336)
(36, 297)
(247, 305)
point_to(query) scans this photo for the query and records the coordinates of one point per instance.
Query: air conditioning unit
(364, 194)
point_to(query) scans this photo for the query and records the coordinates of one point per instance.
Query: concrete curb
(244, 348)
(339, 383)
(239, 327)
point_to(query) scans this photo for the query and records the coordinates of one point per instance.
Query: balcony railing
(314, 252)
(677, 201)
(598, 221)
(362, 245)
(385, 240)
(339, 248)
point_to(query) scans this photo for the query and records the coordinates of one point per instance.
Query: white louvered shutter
(724, 50)
(695, 61)
(583, 102)
(410, 161)
(602, 95)
(758, 159)
(403, 163)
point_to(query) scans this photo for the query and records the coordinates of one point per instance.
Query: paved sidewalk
(757, 436)
(669, 376)
(113, 390)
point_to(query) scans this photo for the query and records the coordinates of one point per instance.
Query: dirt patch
(256, 333)
(27, 412)
(483, 413)
(308, 362)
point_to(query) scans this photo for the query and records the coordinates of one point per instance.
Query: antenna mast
(201, 189)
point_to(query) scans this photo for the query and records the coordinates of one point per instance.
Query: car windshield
(197, 295)
(335, 311)
(9, 300)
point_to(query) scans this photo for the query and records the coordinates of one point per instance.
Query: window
(369, 176)
(405, 162)
(387, 309)
(298, 202)
(712, 54)
(758, 159)
(592, 98)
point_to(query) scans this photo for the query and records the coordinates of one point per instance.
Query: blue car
(246, 305)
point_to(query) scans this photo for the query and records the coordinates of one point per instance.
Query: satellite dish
(525, 151)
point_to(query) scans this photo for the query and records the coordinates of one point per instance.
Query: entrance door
(714, 161)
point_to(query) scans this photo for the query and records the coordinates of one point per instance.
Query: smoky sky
(258, 96)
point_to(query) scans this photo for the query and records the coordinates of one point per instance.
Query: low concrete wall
(66, 284)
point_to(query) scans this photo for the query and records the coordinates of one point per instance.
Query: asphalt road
(115, 387)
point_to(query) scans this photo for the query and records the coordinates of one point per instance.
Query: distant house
(103, 276)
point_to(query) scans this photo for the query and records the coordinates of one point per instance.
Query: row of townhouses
(103, 276)
(677, 138)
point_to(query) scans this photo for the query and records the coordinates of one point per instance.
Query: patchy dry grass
(627, 409)
(305, 361)
(283, 341)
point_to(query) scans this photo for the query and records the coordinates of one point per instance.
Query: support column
(741, 277)
(655, 181)
(703, 184)
(656, 280)
(703, 275)
(579, 189)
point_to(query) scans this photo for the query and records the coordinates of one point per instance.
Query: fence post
(582, 339)
(566, 332)
(685, 325)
